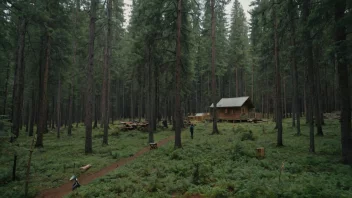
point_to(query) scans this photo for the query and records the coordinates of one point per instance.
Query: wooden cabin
(234, 109)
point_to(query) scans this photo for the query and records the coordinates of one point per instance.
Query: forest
(72, 72)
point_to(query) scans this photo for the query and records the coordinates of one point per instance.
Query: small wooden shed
(233, 108)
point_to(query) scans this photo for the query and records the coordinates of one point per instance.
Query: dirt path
(84, 179)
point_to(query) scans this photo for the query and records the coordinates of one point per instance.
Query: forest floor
(222, 165)
(53, 165)
(65, 189)
(225, 165)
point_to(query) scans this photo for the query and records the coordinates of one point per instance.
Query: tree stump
(260, 152)
(153, 146)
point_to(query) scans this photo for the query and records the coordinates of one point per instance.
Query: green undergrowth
(225, 165)
(54, 164)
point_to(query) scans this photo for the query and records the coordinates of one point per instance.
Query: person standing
(191, 128)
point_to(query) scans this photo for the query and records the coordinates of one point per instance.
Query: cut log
(86, 167)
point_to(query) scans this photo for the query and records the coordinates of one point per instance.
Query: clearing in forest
(225, 165)
(53, 165)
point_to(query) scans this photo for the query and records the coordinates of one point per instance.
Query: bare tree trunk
(44, 73)
(58, 107)
(178, 79)
(27, 116)
(89, 87)
(70, 114)
(253, 83)
(123, 99)
(140, 101)
(108, 95)
(105, 91)
(52, 112)
(237, 81)
(318, 101)
(71, 95)
(151, 91)
(77, 115)
(284, 99)
(296, 114)
(6, 87)
(132, 108)
(64, 113)
(306, 97)
(278, 84)
(117, 99)
(310, 74)
(336, 82)
(215, 126)
(18, 85)
(156, 97)
(342, 66)
(96, 111)
(31, 124)
(267, 96)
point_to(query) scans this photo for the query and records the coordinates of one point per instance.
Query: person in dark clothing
(191, 128)
(75, 182)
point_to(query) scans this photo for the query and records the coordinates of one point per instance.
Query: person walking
(191, 128)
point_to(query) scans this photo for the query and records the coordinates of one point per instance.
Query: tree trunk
(213, 79)
(296, 114)
(117, 99)
(33, 113)
(64, 113)
(140, 101)
(58, 107)
(70, 115)
(310, 74)
(77, 115)
(96, 111)
(44, 74)
(27, 117)
(342, 68)
(52, 112)
(252, 98)
(177, 114)
(89, 87)
(71, 95)
(284, 99)
(6, 87)
(105, 95)
(305, 96)
(278, 83)
(123, 100)
(18, 85)
(237, 81)
(132, 110)
(318, 101)
(156, 97)
(337, 100)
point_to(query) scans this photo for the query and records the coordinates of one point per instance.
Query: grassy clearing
(225, 166)
(62, 157)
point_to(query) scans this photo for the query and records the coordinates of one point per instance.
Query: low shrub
(248, 136)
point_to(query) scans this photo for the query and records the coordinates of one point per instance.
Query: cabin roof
(233, 102)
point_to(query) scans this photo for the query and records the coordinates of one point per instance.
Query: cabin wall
(231, 113)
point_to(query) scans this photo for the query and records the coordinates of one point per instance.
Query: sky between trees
(245, 4)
